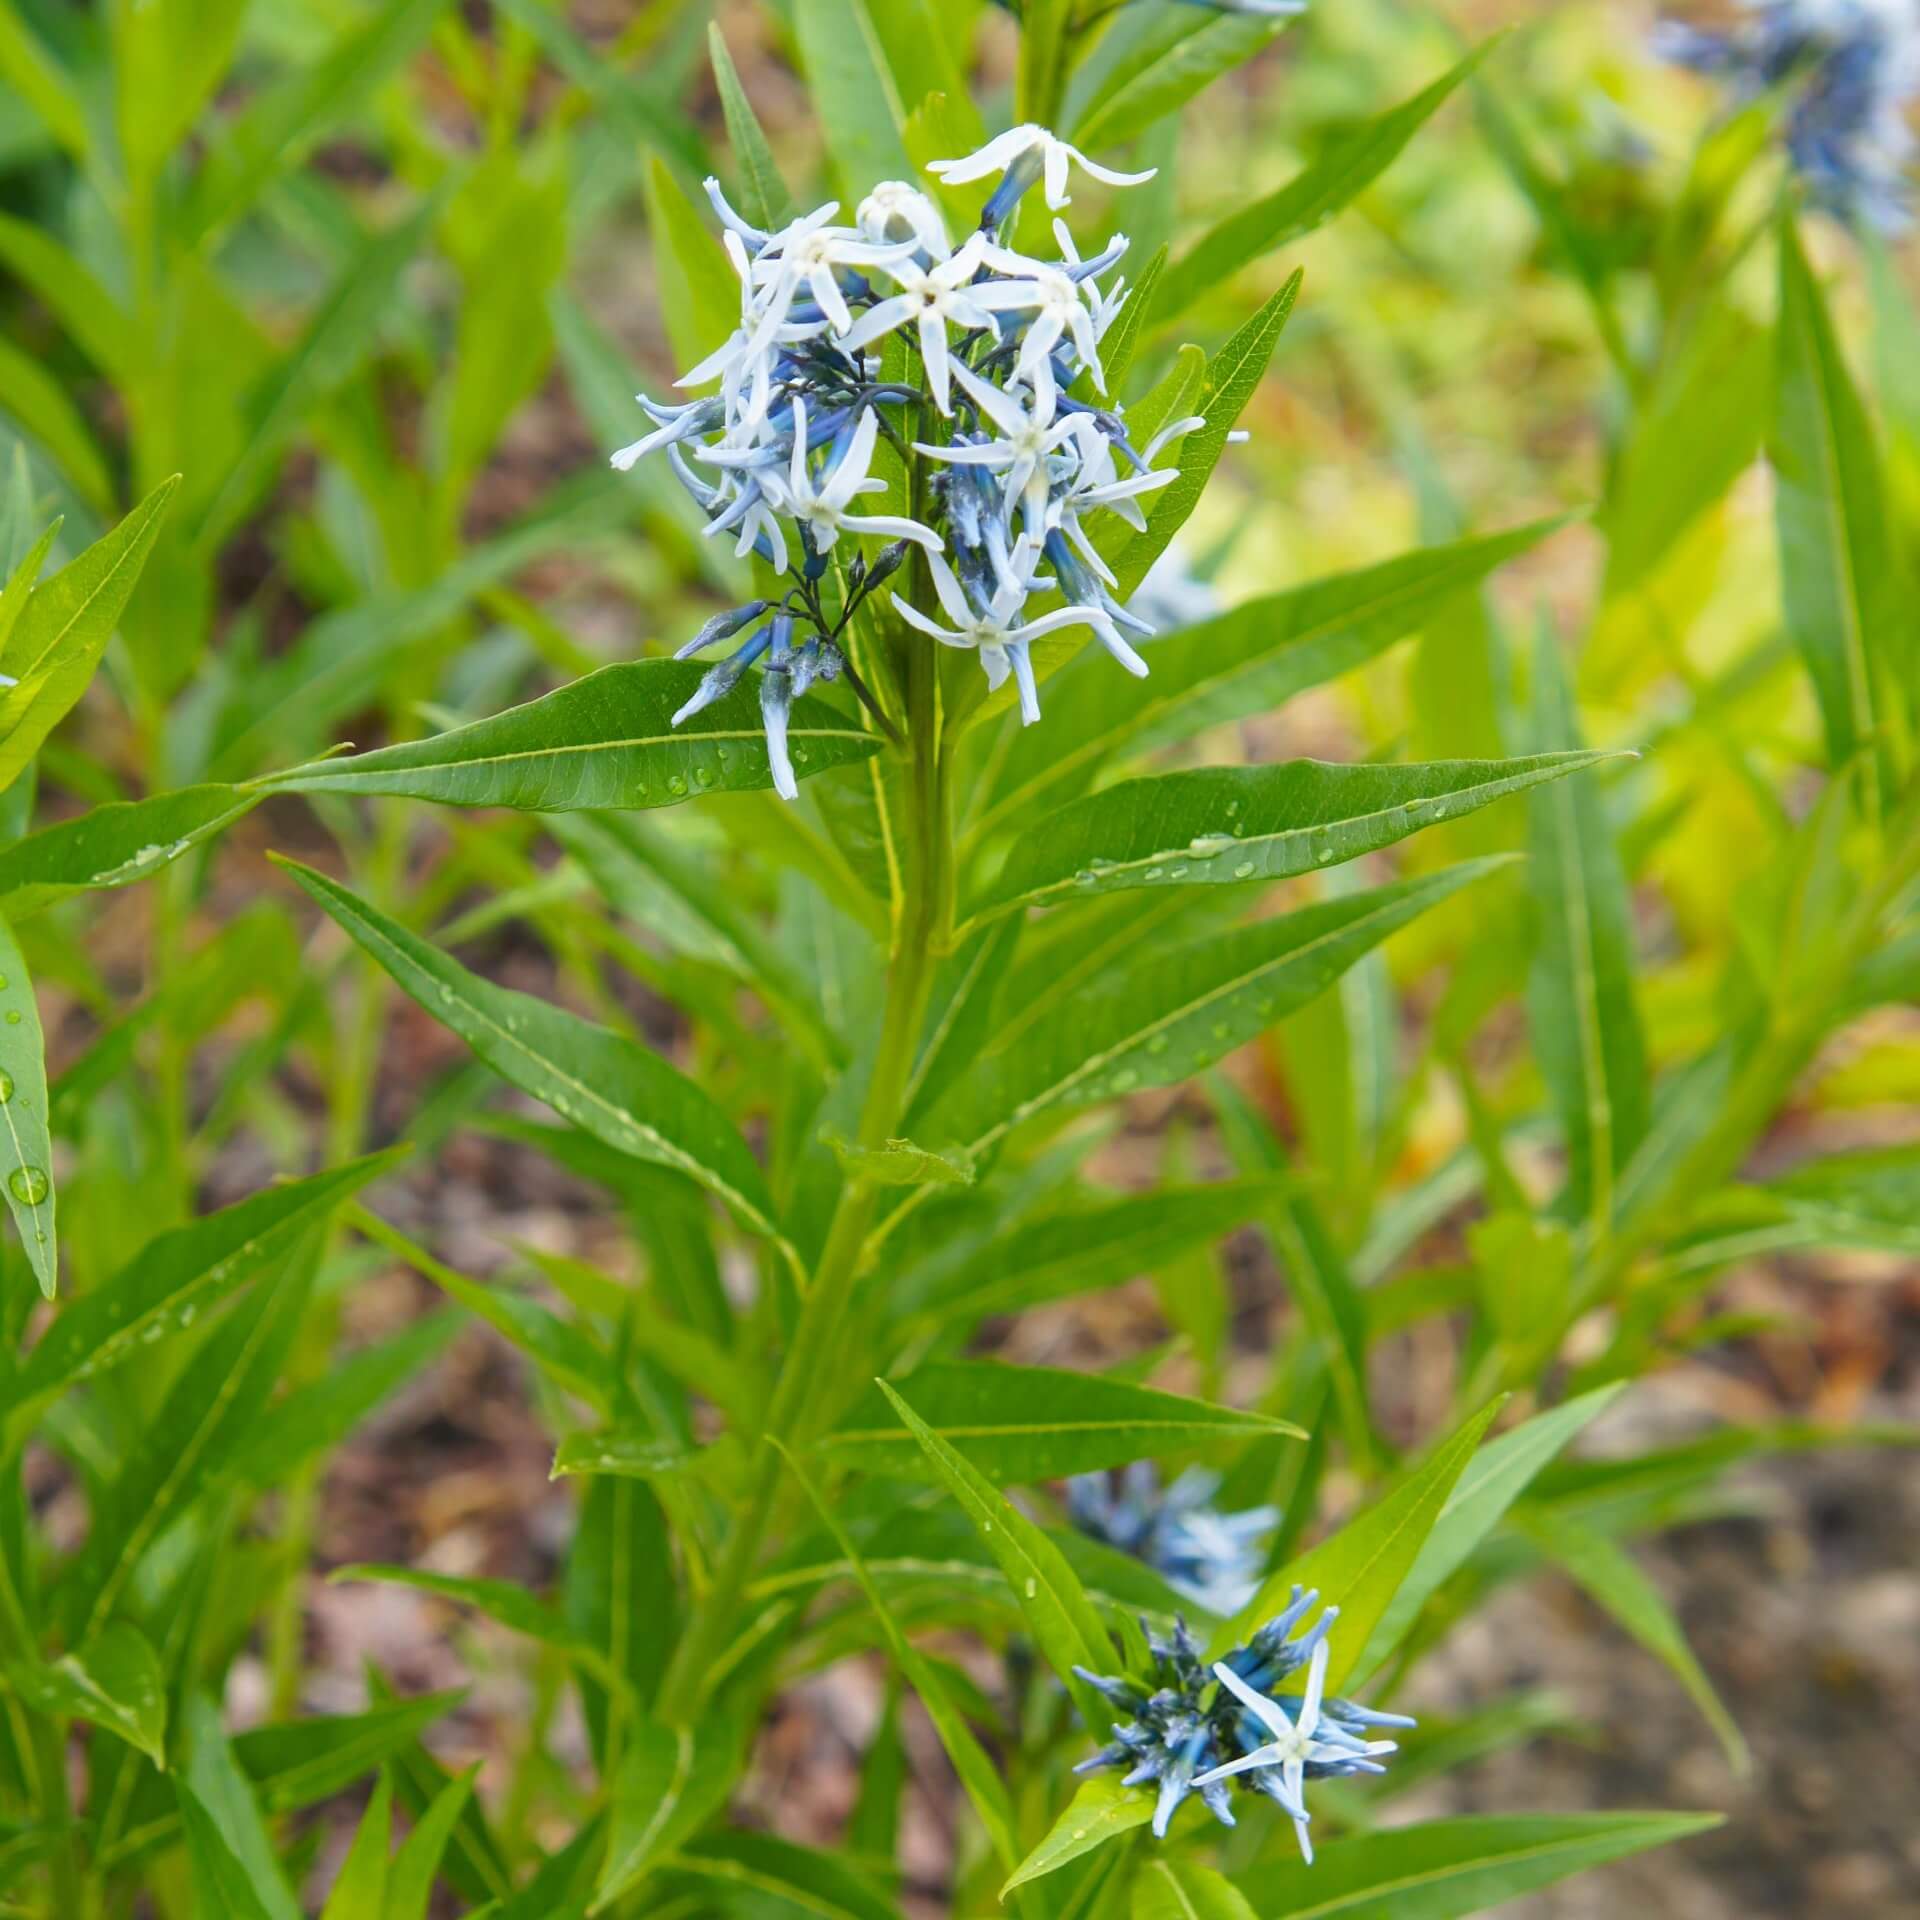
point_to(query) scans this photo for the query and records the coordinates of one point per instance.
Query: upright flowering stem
(803, 1390)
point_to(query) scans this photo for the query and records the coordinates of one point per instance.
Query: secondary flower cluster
(1191, 1728)
(1210, 1556)
(984, 361)
(1855, 69)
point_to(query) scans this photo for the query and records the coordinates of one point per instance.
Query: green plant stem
(804, 1384)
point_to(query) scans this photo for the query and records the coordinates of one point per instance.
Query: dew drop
(1086, 877)
(1153, 873)
(1033, 1587)
(1221, 1031)
(3, 982)
(6, 1086)
(803, 754)
(705, 776)
(1243, 870)
(446, 995)
(28, 1185)
(13, 1016)
(1124, 1079)
(1326, 855)
(675, 784)
(1177, 873)
(1209, 846)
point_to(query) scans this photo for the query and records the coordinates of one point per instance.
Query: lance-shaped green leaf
(1586, 1026)
(1315, 1268)
(1869, 1198)
(1218, 826)
(870, 63)
(1152, 61)
(1036, 1423)
(26, 1146)
(114, 1681)
(505, 1601)
(1495, 1478)
(1081, 1249)
(215, 1791)
(776, 1876)
(335, 340)
(669, 1783)
(1171, 1888)
(1612, 1580)
(184, 1273)
(761, 193)
(201, 1426)
(1232, 375)
(607, 740)
(970, 1761)
(1446, 1869)
(1312, 197)
(60, 635)
(1173, 1015)
(284, 119)
(1101, 1810)
(607, 1085)
(1249, 660)
(298, 1763)
(699, 294)
(221, 1883)
(415, 1868)
(1058, 1613)
(114, 845)
(1836, 562)
(1360, 1568)
(361, 1888)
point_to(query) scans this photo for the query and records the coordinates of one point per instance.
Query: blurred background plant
(282, 1557)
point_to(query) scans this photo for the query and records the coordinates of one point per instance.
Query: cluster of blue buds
(1191, 1728)
(995, 345)
(1855, 69)
(1211, 1557)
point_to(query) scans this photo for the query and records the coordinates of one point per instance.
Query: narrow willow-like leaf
(861, 104)
(1232, 375)
(114, 1681)
(360, 1890)
(42, 85)
(1172, 1888)
(114, 845)
(1315, 1268)
(59, 638)
(1101, 1810)
(969, 1759)
(778, 1876)
(1215, 826)
(417, 1865)
(26, 1146)
(1335, 180)
(98, 324)
(502, 1600)
(1836, 562)
(604, 741)
(1152, 61)
(1871, 1197)
(1360, 1568)
(1586, 1026)
(1035, 1423)
(1061, 1619)
(634, 1453)
(901, 1163)
(200, 1427)
(670, 1781)
(699, 292)
(339, 335)
(606, 1084)
(763, 195)
(1173, 1015)
(1494, 1479)
(1612, 1580)
(1445, 1869)
(1080, 1249)
(298, 1763)
(185, 1272)
(283, 120)
(214, 1788)
(1246, 661)
(221, 1884)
